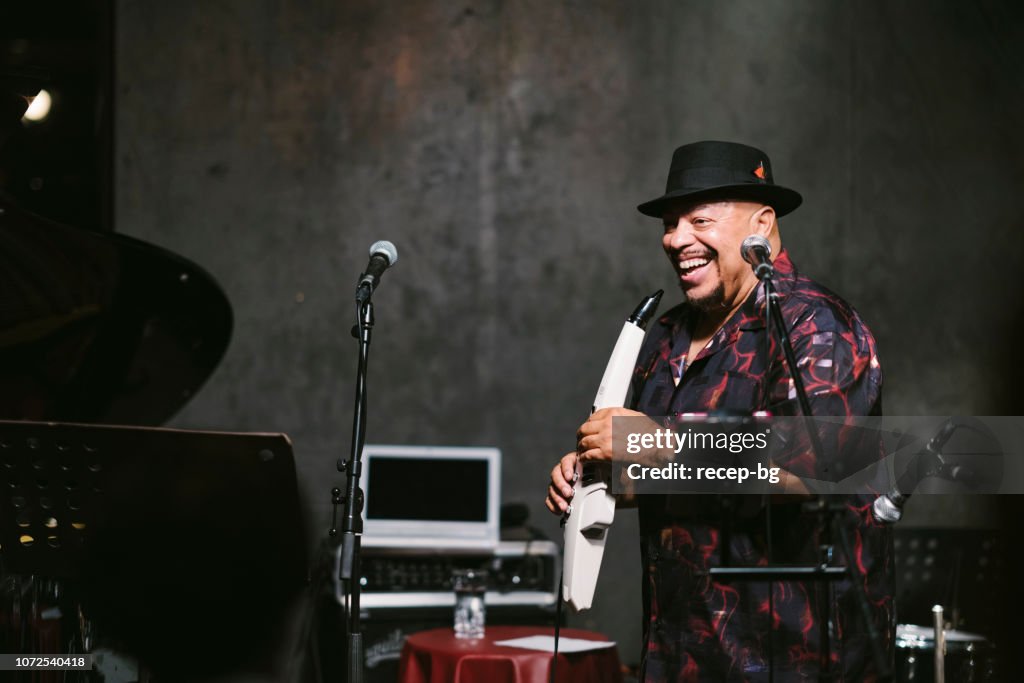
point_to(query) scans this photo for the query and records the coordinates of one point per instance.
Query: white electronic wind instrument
(592, 507)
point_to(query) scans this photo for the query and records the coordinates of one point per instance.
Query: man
(714, 353)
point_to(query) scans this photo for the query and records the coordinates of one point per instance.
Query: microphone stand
(765, 273)
(822, 572)
(352, 519)
(833, 527)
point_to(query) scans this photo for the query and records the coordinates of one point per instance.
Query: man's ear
(762, 220)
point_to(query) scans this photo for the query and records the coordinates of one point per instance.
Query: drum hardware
(940, 644)
(967, 657)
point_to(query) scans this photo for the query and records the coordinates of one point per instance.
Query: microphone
(383, 255)
(888, 507)
(757, 251)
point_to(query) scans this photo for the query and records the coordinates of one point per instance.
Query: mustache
(707, 253)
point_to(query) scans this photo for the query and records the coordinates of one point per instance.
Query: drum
(969, 657)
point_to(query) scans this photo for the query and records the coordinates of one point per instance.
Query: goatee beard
(714, 300)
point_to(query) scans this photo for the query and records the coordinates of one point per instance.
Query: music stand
(186, 548)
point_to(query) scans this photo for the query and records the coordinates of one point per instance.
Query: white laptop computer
(436, 497)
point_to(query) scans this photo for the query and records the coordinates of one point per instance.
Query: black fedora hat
(721, 170)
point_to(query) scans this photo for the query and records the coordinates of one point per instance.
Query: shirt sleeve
(841, 373)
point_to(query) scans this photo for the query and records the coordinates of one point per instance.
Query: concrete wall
(503, 147)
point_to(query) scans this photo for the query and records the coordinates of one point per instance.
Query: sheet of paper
(547, 644)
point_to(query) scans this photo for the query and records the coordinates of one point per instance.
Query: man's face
(703, 243)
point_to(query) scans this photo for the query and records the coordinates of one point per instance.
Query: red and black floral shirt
(697, 628)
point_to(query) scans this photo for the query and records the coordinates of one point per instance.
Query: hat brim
(782, 199)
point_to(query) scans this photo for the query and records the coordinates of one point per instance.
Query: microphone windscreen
(754, 242)
(385, 249)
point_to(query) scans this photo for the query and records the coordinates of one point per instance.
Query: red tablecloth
(437, 656)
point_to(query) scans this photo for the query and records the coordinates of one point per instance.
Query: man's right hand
(560, 488)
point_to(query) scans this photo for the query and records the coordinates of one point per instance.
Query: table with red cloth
(437, 656)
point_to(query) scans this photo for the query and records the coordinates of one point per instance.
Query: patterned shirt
(698, 628)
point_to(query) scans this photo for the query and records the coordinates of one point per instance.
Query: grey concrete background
(503, 147)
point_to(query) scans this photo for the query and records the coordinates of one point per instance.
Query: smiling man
(702, 241)
(713, 353)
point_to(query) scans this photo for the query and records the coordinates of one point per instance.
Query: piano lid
(101, 328)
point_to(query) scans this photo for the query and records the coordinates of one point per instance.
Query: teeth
(693, 263)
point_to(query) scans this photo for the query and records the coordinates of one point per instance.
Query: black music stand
(185, 548)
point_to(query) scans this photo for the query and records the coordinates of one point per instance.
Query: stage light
(39, 109)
